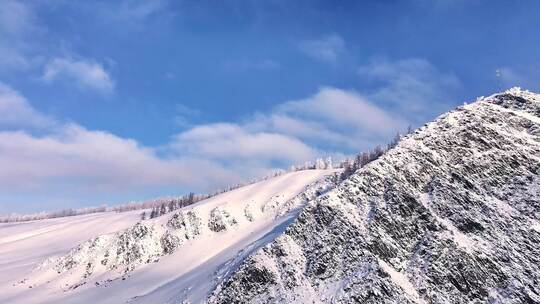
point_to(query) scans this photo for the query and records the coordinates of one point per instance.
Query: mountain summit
(450, 215)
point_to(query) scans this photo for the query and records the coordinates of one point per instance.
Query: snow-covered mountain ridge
(450, 215)
(165, 258)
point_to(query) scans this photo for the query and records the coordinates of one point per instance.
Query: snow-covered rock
(450, 215)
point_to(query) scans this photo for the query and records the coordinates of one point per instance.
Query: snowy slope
(450, 215)
(114, 258)
(22, 245)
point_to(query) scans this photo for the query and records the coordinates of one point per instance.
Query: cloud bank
(87, 74)
(41, 156)
(66, 158)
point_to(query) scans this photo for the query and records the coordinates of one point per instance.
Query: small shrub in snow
(220, 220)
(169, 242)
(188, 221)
(248, 213)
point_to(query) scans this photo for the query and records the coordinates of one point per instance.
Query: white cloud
(88, 74)
(88, 160)
(327, 48)
(70, 159)
(298, 127)
(341, 119)
(343, 108)
(414, 87)
(64, 160)
(330, 122)
(232, 142)
(15, 110)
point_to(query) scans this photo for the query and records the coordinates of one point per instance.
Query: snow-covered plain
(181, 256)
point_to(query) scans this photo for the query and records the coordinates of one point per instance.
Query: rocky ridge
(450, 215)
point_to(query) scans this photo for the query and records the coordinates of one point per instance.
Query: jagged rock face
(451, 215)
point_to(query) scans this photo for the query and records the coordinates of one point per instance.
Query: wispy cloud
(140, 9)
(15, 111)
(85, 73)
(347, 109)
(15, 17)
(184, 115)
(327, 48)
(252, 65)
(128, 14)
(414, 87)
(527, 78)
(17, 20)
(27, 44)
(332, 118)
(12, 58)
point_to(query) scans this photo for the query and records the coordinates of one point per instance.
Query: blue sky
(110, 101)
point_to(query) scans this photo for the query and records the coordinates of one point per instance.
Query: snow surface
(23, 245)
(58, 260)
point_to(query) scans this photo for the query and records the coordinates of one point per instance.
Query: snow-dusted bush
(189, 222)
(220, 220)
